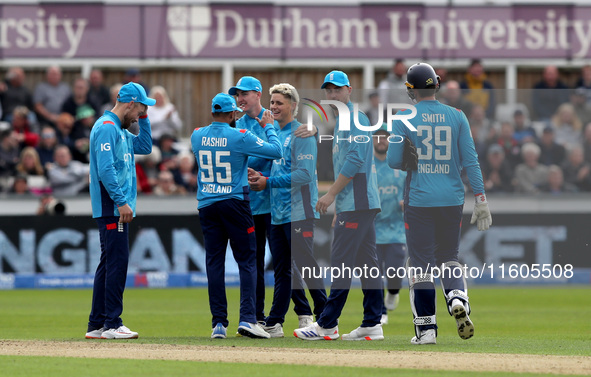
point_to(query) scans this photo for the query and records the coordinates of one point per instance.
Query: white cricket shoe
(305, 320)
(391, 301)
(218, 332)
(465, 325)
(96, 334)
(384, 319)
(252, 330)
(366, 333)
(427, 337)
(276, 331)
(315, 332)
(119, 333)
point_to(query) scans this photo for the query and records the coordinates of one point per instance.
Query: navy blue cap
(338, 78)
(246, 83)
(136, 93)
(224, 103)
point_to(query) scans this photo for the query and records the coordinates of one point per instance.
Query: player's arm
(142, 143)
(303, 165)
(104, 148)
(255, 146)
(469, 159)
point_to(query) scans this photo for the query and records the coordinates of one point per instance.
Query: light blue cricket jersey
(222, 154)
(260, 202)
(354, 159)
(112, 163)
(390, 222)
(293, 180)
(445, 146)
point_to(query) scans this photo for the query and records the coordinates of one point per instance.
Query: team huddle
(257, 182)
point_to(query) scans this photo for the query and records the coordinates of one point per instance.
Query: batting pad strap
(423, 278)
(456, 293)
(427, 320)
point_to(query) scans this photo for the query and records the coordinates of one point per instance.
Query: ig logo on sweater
(188, 28)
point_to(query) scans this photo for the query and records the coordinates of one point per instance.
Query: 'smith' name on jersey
(212, 188)
(433, 118)
(433, 168)
(214, 141)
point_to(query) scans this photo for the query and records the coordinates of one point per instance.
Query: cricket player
(222, 152)
(357, 202)
(294, 193)
(434, 201)
(113, 196)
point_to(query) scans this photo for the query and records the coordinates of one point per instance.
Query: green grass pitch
(552, 321)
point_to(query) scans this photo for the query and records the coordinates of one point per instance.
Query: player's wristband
(480, 198)
(144, 116)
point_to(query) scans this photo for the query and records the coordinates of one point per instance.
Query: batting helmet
(421, 76)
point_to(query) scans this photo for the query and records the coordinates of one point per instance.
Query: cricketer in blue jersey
(294, 192)
(248, 91)
(357, 203)
(434, 202)
(390, 232)
(223, 201)
(113, 196)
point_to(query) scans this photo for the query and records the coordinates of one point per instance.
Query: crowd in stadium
(44, 131)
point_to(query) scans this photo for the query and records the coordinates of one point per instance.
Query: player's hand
(303, 132)
(252, 173)
(266, 119)
(125, 214)
(481, 215)
(257, 183)
(324, 202)
(410, 158)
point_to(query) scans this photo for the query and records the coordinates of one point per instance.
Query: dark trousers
(225, 220)
(391, 256)
(111, 274)
(262, 228)
(433, 238)
(354, 245)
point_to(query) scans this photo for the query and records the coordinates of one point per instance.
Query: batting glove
(410, 158)
(481, 215)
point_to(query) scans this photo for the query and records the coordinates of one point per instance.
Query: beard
(233, 123)
(127, 122)
(381, 149)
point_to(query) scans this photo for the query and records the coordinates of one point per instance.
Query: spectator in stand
(30, 167)
(496, 171)
(373, 110)
(578, 99)
(113, 92)
(552, 153)
(9, 151)
(22, 129)
(186, 173)
(67, 177)
(548, 94)
(585, 82)
(134, 75)
(480, 146)
(98, 93)
(510, 146)
(50, 96)
(65, 130)
(567, 126)
(487, 132)
(14, 93)
(79, 97)
(164, 117)
(85, 118)
(166, 185)
(20, 186)
(168, 151)
(451, 95)
(576, 171)
(477, 89)
(392, 88)
(150, 166)
(524, 131)
(47, 144)
(530, 176)
(556, 184)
